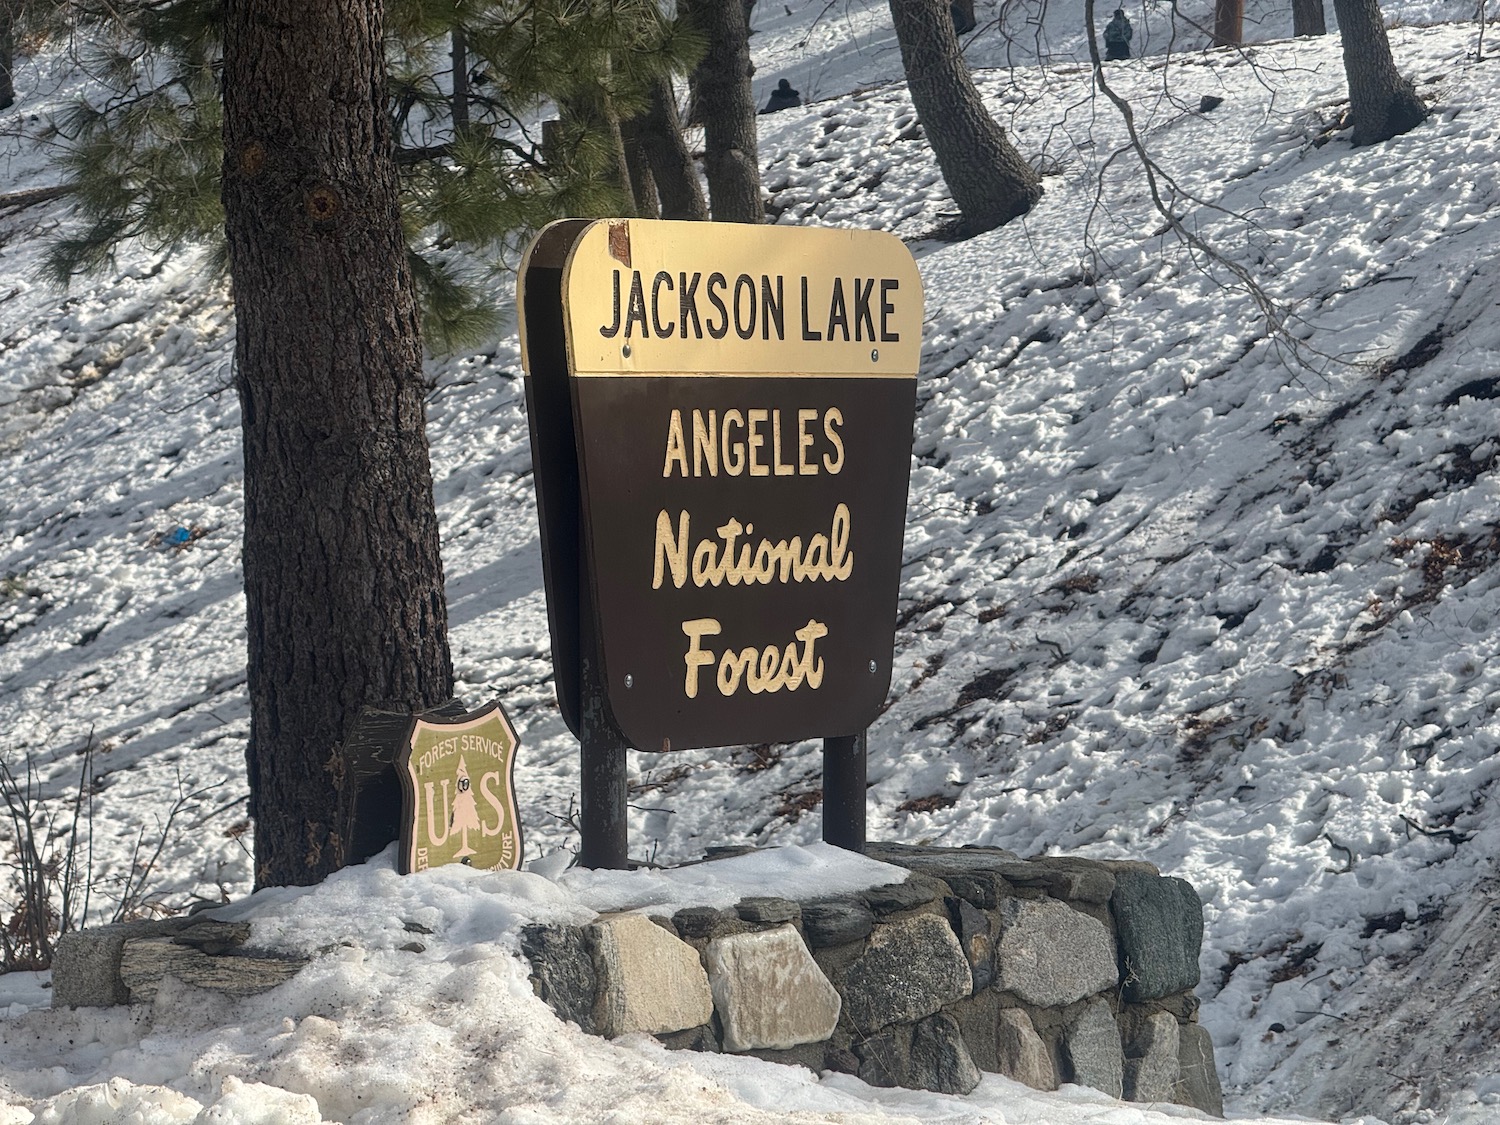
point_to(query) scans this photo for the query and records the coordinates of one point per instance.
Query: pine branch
(18, 200)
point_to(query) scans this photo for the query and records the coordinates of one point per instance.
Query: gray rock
(648, 980)
(1183, 1005)
(977, 1017)
(213, 937)
(918, 890)
(940, 1061)
(840, 1060)
(983, 889)
(1092, 1045)
(1050, 955)
(909, 970)
(929, 1055)
(986, 876)
(973, 929)
(1074, 879)
(772, 910)
(562, 971)
(812, 1056)
(1020, 1052)
(145, 961)
(829, 922)
(1151, 1071)
(1159, 925)
(769, 992)
(1132, 866)
(86, 970)
(1198, 1081)
(86, 963)
(700, 1038)
(917, 856)
(698, 921)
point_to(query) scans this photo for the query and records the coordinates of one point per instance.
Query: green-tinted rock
(828, 922)
(909, 970)
(562, 971)
(929, 1055)
(1159, 928)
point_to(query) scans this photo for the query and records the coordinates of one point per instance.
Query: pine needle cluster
(471, 84)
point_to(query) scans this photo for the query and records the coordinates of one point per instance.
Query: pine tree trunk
(460, 57)
(642, 182)
(726, 106)
(1307, 18)
(660, 135)
(343, 583)
(990, 181)
(624, 181)
(8, 52)
(1382, 104)
(1229, 23)
(590, 114)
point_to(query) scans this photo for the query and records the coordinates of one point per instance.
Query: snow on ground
(1174, 589)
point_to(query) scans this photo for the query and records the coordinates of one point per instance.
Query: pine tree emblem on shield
(459, 795)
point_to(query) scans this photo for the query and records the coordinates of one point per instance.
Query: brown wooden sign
(458, 790)
(723, 436)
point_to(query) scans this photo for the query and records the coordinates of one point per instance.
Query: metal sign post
(721, 431)
(844, 791)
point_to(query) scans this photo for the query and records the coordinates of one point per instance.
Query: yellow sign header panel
(648, 297)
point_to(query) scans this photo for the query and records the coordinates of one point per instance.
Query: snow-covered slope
(1175, 588)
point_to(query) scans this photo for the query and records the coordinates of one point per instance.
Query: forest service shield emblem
(458, 788)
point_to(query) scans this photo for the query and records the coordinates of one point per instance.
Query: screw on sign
(721, 423)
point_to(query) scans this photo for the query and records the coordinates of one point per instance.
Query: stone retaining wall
(1046, 970)
(125, 963)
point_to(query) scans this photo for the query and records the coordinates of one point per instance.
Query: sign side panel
(554, 461)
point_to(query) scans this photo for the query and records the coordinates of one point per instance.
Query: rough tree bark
(1229, 23)
(1308, 18)
(609, 120)
(343, 583)
(990, 181)
(726, 106)
(660, 135)
(1382, 104)
(460, 56)
(642, 180)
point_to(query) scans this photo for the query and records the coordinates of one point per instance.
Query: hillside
(1176, 587)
